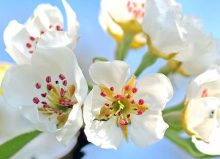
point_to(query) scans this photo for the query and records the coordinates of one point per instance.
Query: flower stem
(166, 70)
(147, 60)
(124, 46)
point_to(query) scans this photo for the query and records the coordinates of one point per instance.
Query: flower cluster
(46, 89)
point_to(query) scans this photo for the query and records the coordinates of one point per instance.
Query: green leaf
(11, 147)
(124, 46)
(99, 59)
(147, 60)
(186, 144)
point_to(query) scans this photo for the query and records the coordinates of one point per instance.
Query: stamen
(28, 45)
(122, 122)
(127, 88)
(36, 100)
(112, 89)
(103, 94)
(48, 79)
(65, 82)
(134, 90)
(32, 38)
(43, 95)
(141, 102)
(49, 87)
(62, 77)
(38, 85)
(140, 112)
(62, 92)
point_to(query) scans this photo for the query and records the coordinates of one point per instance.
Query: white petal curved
(102, 134)
(11, 121)
(72, 23)
(56, 39)
(210, 148)
(16, 38)
(201, 116)
(74, 123)
(148, 128)
(113, 73)
(45, 146)
(156, 90)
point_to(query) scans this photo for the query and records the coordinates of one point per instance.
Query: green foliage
(11, 147)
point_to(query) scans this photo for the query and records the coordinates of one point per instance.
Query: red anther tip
(62, 77)
(28, 45)
(141, 102)
(134, 90)
(112, 88)
(49, 87)
(127, 88)
(36, 100)
(122, 122)
(32, 38)
(103, 94)
(48, 79)
(133, 102)
(140, 112)
(65, 82)
(38, 85)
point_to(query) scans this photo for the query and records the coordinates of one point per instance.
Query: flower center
(58, 99)
(136, 9)
(121, 106)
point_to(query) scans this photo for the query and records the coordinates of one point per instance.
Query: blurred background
(94, 42)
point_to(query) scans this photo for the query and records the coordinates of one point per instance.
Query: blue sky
(94, 42)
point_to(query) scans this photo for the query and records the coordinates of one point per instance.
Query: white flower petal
(201, 116)
(92, 105)
(210, 148)
(209, 80)
(74, 123)
(16, 38)
(156, 90)
(45, 146)
(148, 128)
(56, 39)
(11, 121)
(102, 134)
(46, 17)
(162, 23)
(110, 73)
(20, 79)
(72, 23)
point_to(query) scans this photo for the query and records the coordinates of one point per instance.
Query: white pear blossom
(44, 28)
(200, 49)
(201, 117)
(114, 12)
(13, 124)
(48, 92)
(120, 107)
(171, 33)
